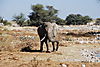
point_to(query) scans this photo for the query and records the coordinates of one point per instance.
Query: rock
(83, 65)
(90, 55)
(64, 65)
(97, 38)
(1, 24)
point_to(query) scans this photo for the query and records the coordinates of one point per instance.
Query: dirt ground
(76, 49)
(69, 56)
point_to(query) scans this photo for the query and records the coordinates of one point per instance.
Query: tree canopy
(20, 19)
(77, 19)
(44, 14)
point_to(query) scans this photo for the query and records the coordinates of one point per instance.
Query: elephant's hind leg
(53, 46)
(57, 45)
(47, 47)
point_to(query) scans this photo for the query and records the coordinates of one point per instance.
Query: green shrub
(77, 19)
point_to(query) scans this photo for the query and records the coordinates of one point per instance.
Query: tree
(5, 22)
(20, 19)
(43, 14)
(1, 19)
(97, 21)
(60, 21)
(77, 19)
(86, 19)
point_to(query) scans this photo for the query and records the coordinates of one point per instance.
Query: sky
(9, 8)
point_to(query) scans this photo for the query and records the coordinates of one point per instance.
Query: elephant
(48, 33)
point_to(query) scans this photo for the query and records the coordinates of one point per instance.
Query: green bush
(77, 19)
(5, 22)
(97, 21)
(20, 19)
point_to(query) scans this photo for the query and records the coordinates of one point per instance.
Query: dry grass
(11, 42)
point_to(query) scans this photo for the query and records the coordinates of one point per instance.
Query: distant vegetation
(77, 19)
(50, 14)
(44, 14)
(97, 21)
(5, 22)
(41, 13)
(20, 19)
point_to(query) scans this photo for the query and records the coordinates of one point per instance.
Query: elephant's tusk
(43, 37)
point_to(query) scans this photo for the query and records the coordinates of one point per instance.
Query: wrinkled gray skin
(47, 33)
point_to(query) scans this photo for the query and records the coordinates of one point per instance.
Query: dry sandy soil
(77, 48)
(70, 56)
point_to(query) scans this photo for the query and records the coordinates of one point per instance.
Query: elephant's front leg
(47, 47)
(41, 46)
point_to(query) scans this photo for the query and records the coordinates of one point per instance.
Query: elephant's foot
(41, 50)
(53, 50)
(57, 49)
(48, 52)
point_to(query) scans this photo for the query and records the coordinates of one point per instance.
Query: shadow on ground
(28, 49)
